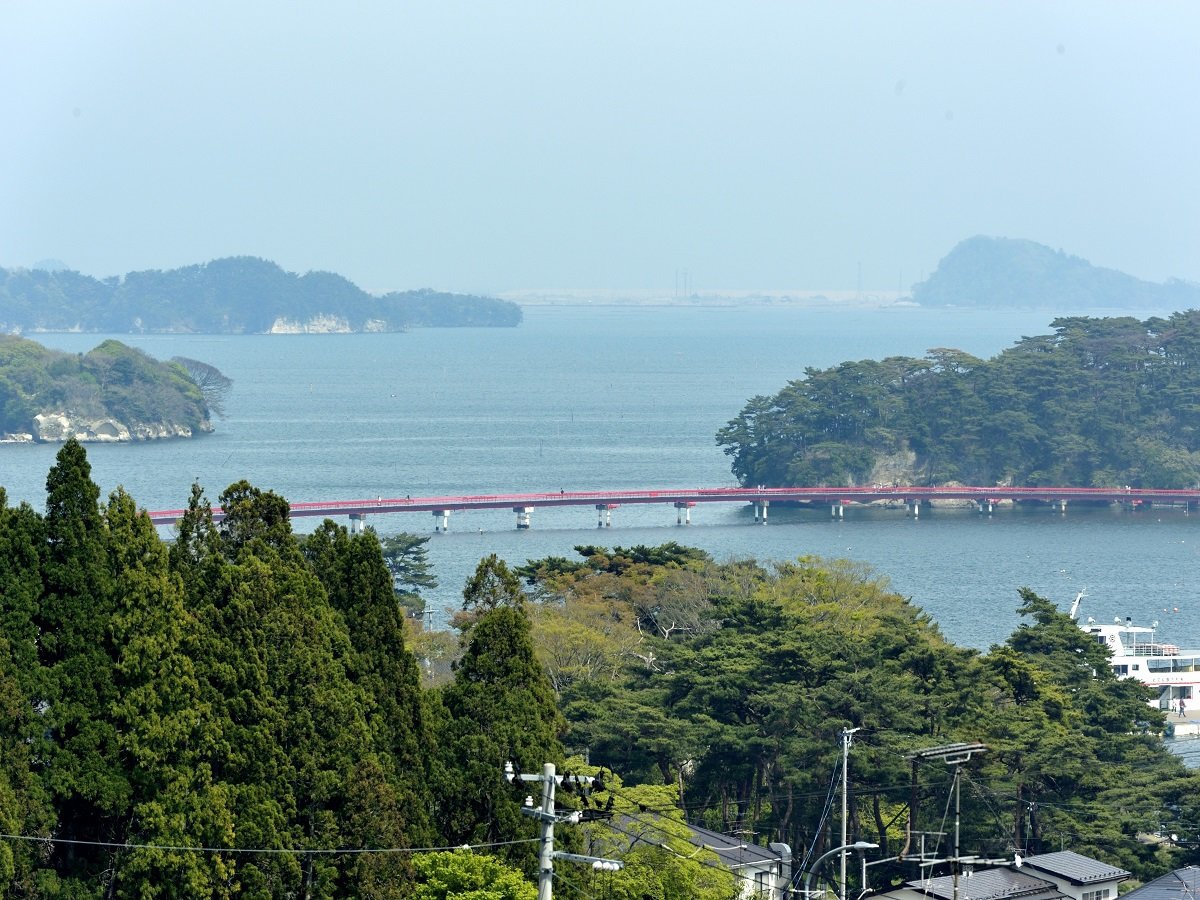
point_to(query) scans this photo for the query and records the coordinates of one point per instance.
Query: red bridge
(837, 498)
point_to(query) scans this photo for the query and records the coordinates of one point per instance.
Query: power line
(339, 851)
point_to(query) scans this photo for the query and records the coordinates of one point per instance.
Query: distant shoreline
(648, 298)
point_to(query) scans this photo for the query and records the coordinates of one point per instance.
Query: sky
(545, 144)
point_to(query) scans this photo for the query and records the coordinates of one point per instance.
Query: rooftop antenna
(954, 755)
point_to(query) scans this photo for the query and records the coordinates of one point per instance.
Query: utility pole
(954, 755)
(847, 738)
(548, 819)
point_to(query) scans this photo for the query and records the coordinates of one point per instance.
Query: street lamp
(857, 845)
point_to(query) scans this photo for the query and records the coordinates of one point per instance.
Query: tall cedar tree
(83, 769)
(360, 589)
(161, 722)
(500, 708)
(24, 804)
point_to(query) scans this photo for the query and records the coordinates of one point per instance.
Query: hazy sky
(528, 144)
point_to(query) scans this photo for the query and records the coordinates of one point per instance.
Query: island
(112, 393)
(1100, 402)
(996, 272)
(236, 295)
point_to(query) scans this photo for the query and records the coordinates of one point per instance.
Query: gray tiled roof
(1075, 867)
(988, 884)
(730, 848)
(1182, 883)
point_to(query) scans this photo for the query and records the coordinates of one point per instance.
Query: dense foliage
(243, 690)
(240, 713)
(1100, 402)
(237, 295)
(111, 381)
(732, 683)
(1003, 272)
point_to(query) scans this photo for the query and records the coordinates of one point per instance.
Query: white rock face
(320, 324)
(58, 427)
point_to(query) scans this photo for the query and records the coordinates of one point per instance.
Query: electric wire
(316, 851)
(572, 886)
(716, 867)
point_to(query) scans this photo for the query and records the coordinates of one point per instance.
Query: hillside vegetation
(237, 295)
(112, 383)
(1002, 272)
(1101, 402)
(239, 712)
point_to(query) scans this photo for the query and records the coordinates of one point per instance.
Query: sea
(590, 397)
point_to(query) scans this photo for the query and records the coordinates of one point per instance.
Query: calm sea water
(609, 397)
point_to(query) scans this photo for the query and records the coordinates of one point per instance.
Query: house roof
(733, 851)
(988, 884)
(1075, 867)
(1182, 883)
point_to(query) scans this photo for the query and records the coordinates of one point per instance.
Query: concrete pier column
(604, 514)
(761, 518)
(683, 512)
(523, 516)
(441, 520)
(838, 510)
(357, 523)
(915, 507)
(1062, 507)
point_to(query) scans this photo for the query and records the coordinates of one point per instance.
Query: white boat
(1138, 653)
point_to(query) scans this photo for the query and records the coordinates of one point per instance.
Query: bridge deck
(814, 495)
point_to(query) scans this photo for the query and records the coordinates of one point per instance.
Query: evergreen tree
(83, 769)
(408, 562)
(500, 708)
(251, 513)
(290, 725)
(161, 723)
(359, 587)
(25, 806)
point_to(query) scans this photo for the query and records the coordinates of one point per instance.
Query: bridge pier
(985, 506)
(523, 516)
(838, 510)
(358, 523)
(1062, 507)
(604, 517)
(914, 507)
(760, 511)
(683, 512)
(441, 520)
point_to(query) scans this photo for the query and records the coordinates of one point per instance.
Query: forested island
(1100, 402)
(244, 711)
(236, 295)
(1004, 272)
(110, 393)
